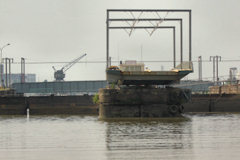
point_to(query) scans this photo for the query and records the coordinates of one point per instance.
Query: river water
(201, 136)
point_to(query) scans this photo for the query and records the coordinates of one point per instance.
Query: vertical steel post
(107, 39)
(217, 69)
(2, 64)
(230, 75)
(6, 74)
(9, 72)
(214, 69)
(22, 70)
(218, 58)
(1, 68)
(174, 48)
(213, 58)
(1, 73)
(10, 60)
(110, 61)
(190, 36)
(200, 68)
(181, 43)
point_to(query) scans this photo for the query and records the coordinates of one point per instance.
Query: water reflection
(201, 136)
(140, 137)
(51, 137)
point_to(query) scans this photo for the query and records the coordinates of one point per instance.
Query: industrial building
(59, 87)
(88, 87)
(16, 78)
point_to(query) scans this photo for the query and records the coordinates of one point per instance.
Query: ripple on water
(200, 136)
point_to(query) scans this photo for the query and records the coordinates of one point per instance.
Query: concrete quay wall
(141, 102)
(213, 103)
(120, 104)
(13, 105)
(48, 105)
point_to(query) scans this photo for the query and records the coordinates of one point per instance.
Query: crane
(59, 75)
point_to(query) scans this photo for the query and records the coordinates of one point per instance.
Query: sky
(62, 30)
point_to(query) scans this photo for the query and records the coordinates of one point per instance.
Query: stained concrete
(121, 103)
(141, 102)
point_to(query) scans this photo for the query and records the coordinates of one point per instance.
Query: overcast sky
(61, 30)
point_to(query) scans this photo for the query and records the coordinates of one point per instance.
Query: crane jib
(59, 75)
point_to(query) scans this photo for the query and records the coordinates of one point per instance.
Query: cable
(167, 61)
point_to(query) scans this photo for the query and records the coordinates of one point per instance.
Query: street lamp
(1, 64)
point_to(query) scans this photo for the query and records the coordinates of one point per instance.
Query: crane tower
(59, 75)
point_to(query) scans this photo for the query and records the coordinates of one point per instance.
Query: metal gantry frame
(109, 11)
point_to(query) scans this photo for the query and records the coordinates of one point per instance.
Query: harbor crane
(59, 75)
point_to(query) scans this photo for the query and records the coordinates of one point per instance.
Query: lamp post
(1, 64)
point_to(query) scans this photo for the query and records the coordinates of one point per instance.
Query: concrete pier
(142, 102)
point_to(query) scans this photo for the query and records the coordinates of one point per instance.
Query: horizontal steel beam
(148, 10)
(144, 19)
(142, 27)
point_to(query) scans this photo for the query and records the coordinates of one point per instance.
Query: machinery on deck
(59, 75)
(134, 74)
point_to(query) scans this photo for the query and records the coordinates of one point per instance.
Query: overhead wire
(103, 61)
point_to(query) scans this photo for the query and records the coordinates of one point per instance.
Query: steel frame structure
(108, 28)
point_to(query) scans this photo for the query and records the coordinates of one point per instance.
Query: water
(215, 136)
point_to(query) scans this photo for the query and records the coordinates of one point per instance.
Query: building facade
(16, 78)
